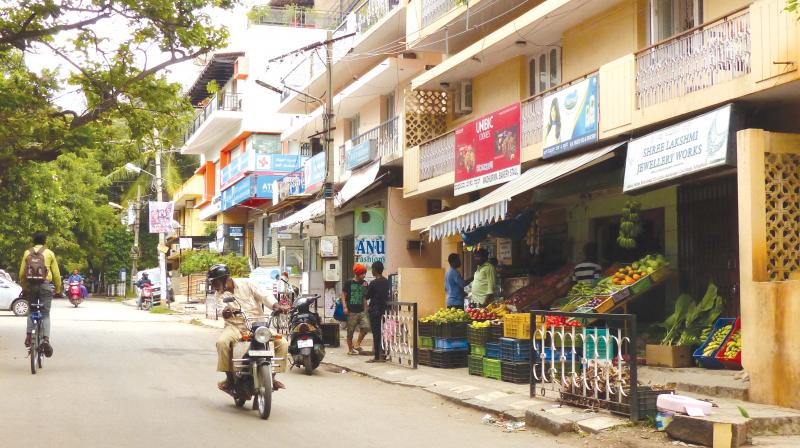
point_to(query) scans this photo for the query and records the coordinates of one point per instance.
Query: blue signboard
(278, 163)
(360, 154)
(238, 193)
(237, 166)
(264, 186)
(314, 171)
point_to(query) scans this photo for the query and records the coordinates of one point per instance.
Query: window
(389, 106)
(355, 123)
(544, 71)
(266, 237)
(462, 98)
(264, 143)
(671, 17)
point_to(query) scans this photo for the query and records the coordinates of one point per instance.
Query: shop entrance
(708, 239)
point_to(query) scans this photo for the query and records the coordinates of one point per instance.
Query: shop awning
(422, 223)
(309, 212)
(494, 206)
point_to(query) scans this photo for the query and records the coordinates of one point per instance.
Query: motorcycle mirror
(228, 300)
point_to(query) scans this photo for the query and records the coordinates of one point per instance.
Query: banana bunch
(629, 226)
(717, 340)
(734, 345)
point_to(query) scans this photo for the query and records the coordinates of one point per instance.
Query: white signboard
(161, 216)
(685, 148)
(504, 251)
(185, 243)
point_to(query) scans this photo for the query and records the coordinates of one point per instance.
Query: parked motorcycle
(75, 296)
(306, 345)
(145, 297)
(252, 368)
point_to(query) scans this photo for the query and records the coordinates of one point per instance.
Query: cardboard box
(669, 356)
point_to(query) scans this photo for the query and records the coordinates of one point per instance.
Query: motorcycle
(75, 296)
(252, 368)
(146, 297)
(306, 345)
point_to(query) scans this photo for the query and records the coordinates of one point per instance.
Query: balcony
(296, 17)
(227, 107)
(697, 59)
(437, 157)
(384, 138)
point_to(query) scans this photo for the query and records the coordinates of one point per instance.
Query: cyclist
(40, 278)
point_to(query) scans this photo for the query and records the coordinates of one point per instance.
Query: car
(11, 297)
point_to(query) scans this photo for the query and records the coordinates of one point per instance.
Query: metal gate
(708, 239)
(399, 333)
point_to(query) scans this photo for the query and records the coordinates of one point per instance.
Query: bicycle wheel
(32, 352)
(39, 341)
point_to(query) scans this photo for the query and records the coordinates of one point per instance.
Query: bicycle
(37, 338)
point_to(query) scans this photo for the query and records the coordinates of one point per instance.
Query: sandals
(353, 352)
(359, 350)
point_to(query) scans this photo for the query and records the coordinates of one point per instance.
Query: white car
(10, 299)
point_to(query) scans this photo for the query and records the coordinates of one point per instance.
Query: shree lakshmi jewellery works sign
(685, 148)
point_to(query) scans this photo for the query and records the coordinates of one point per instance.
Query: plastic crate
(425, 328)
(451, 330)
(449, 359)
(492, 368)
(647, 399)
(734, 363)
(597, 336)
(424, 356)
(478, 350)
(493, 350)
(515, 372)
(330, 334)
(515, 350)
(450, 344)
(477, 336)
(495, 332)
(475, 365)
(710, 362)
(425, 342)
(517, 326)
(568, 355)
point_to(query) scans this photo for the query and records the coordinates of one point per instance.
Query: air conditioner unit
(313, 229)
(465, 97)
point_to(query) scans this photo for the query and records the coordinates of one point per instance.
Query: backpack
(35, 266)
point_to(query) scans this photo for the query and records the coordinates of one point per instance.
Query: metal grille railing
(588, 365)
(296, 17)
(399, 333)
(695, 60)
(369, 13)
(221, 101)
(437, 156)
(386, 135)
(433, 9)
(531, 115)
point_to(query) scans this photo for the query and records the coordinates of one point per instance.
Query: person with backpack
(40, 278)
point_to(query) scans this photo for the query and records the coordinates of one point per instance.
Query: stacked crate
(477, 338)
(515, 349)
(450, 346)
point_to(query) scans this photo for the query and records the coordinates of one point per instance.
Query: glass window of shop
(264, 143)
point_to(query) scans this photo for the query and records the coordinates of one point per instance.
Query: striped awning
(494, 206)
(309, 212)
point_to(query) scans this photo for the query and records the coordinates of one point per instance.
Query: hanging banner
(314, 172)
(369, 240)
(161, 216)
(688, 147)
(488, 150)
(570, 118)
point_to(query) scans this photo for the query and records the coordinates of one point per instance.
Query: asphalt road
(127, 378)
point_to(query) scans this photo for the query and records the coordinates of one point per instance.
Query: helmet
(359, 269)
(218, 271)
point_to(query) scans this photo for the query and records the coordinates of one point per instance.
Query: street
(126, 378)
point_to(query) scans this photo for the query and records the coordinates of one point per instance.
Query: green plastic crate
(475, 364)
(478, 350)
(425, 342)
(491, 368)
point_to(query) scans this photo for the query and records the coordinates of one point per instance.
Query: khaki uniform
(252, 298)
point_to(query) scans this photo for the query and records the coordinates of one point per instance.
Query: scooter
(146, 297)
(252, 368)
(75, 296)
(306, 345)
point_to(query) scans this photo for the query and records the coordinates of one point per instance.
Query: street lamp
(117, 206)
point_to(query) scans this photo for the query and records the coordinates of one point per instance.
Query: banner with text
(569, 118)
(161, 216)
(370, 243)
(488, 151)
(688, 147)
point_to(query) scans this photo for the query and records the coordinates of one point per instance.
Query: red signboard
(487, 150)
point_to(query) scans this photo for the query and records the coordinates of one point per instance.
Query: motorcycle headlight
(263, 335)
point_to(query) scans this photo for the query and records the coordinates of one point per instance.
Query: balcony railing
(222, 101)
(531, 117)
(387, 138)
(434, 9)
(370, 12)
(437, 156)
(295, 17)
(694, 60)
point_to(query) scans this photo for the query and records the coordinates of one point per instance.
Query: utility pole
(135, 249)
(330, 217)
(162, 256)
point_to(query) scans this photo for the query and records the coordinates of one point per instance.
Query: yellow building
(642, 71)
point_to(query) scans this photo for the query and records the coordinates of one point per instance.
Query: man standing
(253, 300)
(377, 296)
(40, 278)
(454, 283)
(353, 292)
(484, 281)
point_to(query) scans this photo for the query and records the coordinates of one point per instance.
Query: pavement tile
(491, 396)
(595, 425)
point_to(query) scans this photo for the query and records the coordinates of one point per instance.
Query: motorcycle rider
(253, 299)
(77, 277)
(144, 281)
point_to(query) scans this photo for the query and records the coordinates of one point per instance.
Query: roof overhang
(220, 69)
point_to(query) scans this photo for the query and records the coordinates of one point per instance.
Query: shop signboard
(361, 153)
(504, 251)
(685, 148)
(161, 216)
(264, 186)
(184, 243)
(314, 172)
(238, 193)
(276, 164)
(235, 169)
(488, 150)
(369, 241)
(235, 231)
(289, 185)
(569, 118)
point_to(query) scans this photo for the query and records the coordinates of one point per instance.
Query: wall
(601, 39)
(495, 89)
(425, 286)
(713, 9)
(399, 214)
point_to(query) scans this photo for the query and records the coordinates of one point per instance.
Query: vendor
(454, 283)
(485, 278)
(588, 271)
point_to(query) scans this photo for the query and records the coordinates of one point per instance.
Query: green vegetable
(691, 320)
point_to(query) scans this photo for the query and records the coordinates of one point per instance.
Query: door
(708, 239)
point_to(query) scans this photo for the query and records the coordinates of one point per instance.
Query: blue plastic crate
(602, 344)
(492, 350)
(450, 344)
(515, 350)
(549, 352)
(710, 362)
